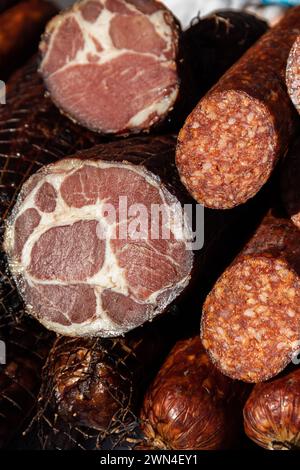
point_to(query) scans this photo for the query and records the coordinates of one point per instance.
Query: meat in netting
(85, 264)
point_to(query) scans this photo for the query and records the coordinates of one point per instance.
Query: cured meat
(132, 261)
(86, 248)
(33, 133)
(99, 383)
(111, 64)
(251, 319)
(20, 30)
(214, 43)
(26, 349)
(234, 137)
(293, 74)
(272, 414)
(290, 183)
(191, 405)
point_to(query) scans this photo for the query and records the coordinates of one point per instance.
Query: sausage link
(251, 318)
(234, 137)
(293, 74)
(272, 413)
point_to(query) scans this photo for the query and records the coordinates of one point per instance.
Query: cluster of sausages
(230, 86)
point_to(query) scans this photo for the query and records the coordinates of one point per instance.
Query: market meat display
(251, 318)
(117, 248)
(232, 140)
(88, 249)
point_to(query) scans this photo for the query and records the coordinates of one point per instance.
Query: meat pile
(163, 319)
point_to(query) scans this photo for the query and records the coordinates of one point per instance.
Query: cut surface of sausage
(85, 264)
(251, 318)
(111, 65)
(232, 140)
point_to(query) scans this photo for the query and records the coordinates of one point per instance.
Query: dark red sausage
(98, 384)
(250, 324)
(191, 405)
(233, 139)
(212, 44)
(272, 413)
(293, 74)
(20, 30)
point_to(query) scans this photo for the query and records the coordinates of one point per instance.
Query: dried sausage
(271, 414)
(250, 324)
(190, 404)
(293, 74)
(234, 137)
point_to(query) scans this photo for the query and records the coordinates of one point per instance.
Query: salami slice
(232, 140)
(20, 30)
(191, 405)
(290, 182)
(110, 65)
(293, 74)
(251, 319)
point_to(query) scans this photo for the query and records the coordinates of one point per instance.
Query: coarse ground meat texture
(293, 74)
(234, 137)
(110, 65)
(251, 319)
(85, 267)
